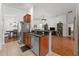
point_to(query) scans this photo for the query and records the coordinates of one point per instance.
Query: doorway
(10, 29)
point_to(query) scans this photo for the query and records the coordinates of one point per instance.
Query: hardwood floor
(63, 45)
(10, 39)
(13, 49)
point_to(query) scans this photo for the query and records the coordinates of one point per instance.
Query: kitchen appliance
(60, 28)
(52, 28)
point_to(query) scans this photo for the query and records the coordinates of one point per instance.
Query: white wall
(1, 24)
(11, 15)
(53, 22)
(14, 15)
(71, 18)
(77, 30)
(76, 36)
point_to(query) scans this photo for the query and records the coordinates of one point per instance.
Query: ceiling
(21, 6)
(44, 9)
(53, 9)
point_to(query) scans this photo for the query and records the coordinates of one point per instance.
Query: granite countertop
(36, 35)
(41, 30)
(40, 33)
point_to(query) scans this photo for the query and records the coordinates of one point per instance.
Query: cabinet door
(27, 18)
(27, 39)
(43, 45)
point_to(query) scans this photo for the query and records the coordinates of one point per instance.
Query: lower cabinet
(27, 39)
(43, 45)
(63, 45)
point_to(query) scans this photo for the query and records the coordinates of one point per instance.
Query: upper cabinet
(27, 18)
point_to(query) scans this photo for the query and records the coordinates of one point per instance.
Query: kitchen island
(40, 42)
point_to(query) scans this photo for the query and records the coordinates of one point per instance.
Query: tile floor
(13, 49)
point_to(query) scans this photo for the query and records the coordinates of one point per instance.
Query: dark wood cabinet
(27, 18)
(27, 39)
(40, 44)
(43, 46)
(26, 30)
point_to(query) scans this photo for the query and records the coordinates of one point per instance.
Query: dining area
(11, 36)
(10, 29)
